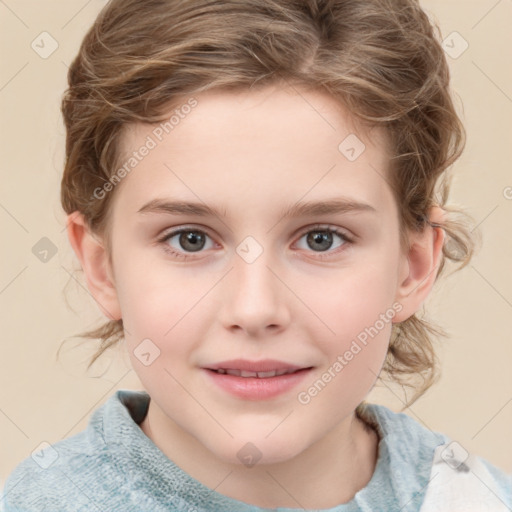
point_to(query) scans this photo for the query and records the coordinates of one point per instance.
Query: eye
(321, 239)
(189, 240)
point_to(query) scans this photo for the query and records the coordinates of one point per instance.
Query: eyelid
(327, 227)
(185, 227)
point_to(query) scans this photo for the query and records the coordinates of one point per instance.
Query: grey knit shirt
(113, 466)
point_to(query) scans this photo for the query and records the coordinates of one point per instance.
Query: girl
(255, 191)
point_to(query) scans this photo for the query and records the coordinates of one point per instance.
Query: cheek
(358, 308)
(155, 298)
(360, 316)
(173, 311)
(164, 308)
(354, 299)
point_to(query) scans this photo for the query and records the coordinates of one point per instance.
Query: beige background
(41, 304)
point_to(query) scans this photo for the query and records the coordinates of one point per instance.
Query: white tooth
(245, 373)
(282, 372)
(233, 372)
(263, 375)
(221, 370)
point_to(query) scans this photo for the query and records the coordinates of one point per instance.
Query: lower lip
(254, 388)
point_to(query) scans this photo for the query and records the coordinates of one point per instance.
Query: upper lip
(265, 365)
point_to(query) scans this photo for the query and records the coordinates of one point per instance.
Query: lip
(265, 365)
(256, 388)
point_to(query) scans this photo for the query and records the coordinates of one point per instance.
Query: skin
(250, 155)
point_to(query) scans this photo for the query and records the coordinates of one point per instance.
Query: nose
(255, 300)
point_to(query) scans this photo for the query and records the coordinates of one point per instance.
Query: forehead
(275, 144)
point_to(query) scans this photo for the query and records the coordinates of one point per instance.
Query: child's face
(258, 286)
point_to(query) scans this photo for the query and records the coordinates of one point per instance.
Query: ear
(420, 266)
(94, 260)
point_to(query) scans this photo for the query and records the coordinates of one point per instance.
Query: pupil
(195, 240)
(318, 238)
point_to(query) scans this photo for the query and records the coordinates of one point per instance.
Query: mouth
(256, 380)
(258, 375)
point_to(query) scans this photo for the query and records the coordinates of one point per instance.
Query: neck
(330, 472)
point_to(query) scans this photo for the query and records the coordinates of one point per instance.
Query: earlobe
(421, 266)
(94, 261)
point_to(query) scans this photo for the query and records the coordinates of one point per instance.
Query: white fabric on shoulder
(460, 482)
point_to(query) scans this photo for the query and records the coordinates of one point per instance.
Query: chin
(259, 450)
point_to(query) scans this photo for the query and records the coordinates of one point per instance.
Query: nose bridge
(255, 278)
(255, 297)
(254, 282)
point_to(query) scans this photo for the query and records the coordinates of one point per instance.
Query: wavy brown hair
(382, 59)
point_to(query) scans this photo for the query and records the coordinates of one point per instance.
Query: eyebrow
(300, 209)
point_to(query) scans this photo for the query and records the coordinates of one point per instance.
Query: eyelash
(318, 228)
